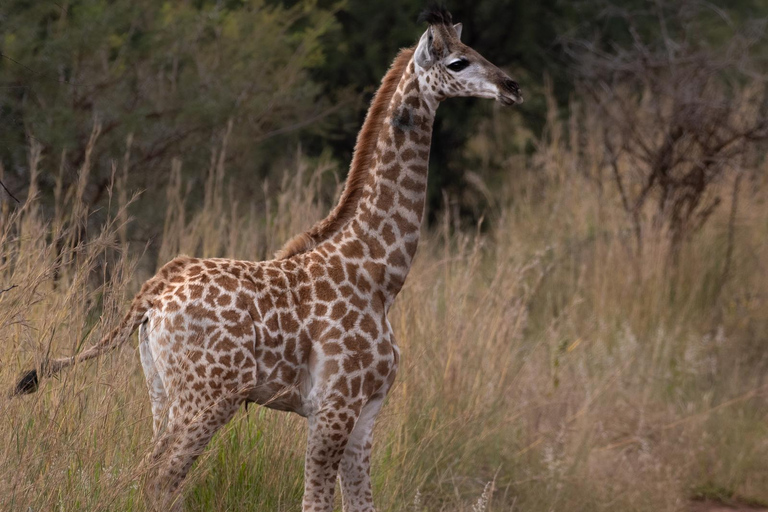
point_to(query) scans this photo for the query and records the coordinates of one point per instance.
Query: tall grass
(545, 366)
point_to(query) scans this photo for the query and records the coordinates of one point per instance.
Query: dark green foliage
(285, 71)
(172, 74)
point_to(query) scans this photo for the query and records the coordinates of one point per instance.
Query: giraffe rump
(359, 168)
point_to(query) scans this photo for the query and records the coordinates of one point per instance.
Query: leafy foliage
(171, 74)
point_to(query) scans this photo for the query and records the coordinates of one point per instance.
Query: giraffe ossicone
(305, 332)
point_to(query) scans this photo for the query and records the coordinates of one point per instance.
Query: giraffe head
(449, 68)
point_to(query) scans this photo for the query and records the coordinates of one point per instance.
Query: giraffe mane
(365, 147)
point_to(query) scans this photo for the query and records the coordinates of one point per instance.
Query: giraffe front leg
(329, 430)
(355, 470)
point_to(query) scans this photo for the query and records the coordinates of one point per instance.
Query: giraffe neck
(388, 217)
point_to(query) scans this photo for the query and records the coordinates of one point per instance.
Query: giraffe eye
(458, 65)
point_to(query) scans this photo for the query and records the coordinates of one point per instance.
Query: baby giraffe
(305, 332)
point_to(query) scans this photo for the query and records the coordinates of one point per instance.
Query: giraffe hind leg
(188, 432)
(157, 394)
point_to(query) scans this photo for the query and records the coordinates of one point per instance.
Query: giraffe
(307, 331)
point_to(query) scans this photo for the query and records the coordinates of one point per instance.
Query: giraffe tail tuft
(27, 384)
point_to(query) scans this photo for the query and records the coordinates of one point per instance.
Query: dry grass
(544, 368)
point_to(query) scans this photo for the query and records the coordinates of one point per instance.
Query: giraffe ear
(457, 27)
(423, 54)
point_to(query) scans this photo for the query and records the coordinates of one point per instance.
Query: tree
(169, 73)
(681, 113)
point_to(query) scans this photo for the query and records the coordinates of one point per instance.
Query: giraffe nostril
(512, 86)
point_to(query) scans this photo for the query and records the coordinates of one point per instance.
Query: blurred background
(596, 255)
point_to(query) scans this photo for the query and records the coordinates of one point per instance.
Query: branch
(9, 193)
(9, 288)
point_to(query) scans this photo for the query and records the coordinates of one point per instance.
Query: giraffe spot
(416, 206)
(358, 302)
(354, 385)
(195, 291)
(270, 359)
(363, 285)
(305, 346)
(240, 330)
(414, 102)
(375, 248)
(224, 300)
(288, 374)
(271, 322)
(388, 234)
(330, 368)
(353, 249)
(338, 310)
(316, 271)
(331, 348)
(356, 344)
(336, 270)
(409, 183)
(198, 312)
(403, 224)
(342, 387)
(374, 221)
(225, 345)
(210, 297)
(317, 328)
(384, 349)
(288, 322)
(281, 299)
(348, 322)
(231, 315)
(303, 311)
(304, 293)
(366, 359)
(290, 351)
(332, 334)
(265, 303)
(383, 368)
(411, 247)
(370, 384)
(320, 309)
(271, 341)
(249, 285)
(245, 303)
(397, 259)
(385, 198)
(324, 291)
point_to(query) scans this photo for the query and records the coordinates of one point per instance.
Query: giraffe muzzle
(510, 93)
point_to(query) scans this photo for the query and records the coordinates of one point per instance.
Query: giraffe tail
(30, 380)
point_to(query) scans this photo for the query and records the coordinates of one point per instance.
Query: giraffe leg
(157, 394)
(329, 429)
(177, 448)
(355, 470)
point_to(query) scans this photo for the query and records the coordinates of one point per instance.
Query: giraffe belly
(280, 397)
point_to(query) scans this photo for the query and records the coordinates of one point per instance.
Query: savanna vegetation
(585, 324)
